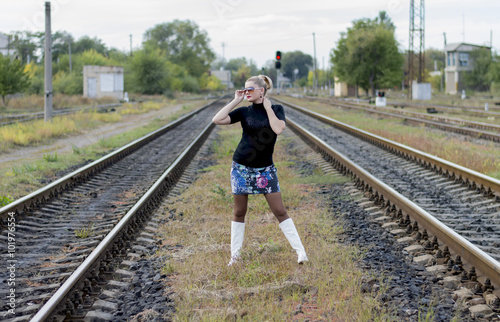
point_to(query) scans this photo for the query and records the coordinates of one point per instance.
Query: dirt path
(88, 137)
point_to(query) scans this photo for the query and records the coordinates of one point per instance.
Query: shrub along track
(57, 227)
(465, 201)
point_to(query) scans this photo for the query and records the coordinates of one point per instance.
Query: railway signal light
(278, 58)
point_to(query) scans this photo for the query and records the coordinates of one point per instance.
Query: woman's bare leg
(286, 224)
(276, 204)
(240, 207)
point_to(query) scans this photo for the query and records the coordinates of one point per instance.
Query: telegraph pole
(315, 81)
(69, 50)
(130, 44)
(48, 65)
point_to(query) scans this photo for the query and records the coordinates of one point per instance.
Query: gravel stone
(410, 290)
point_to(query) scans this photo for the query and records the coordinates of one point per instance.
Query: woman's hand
(239, 95)
(267, 103)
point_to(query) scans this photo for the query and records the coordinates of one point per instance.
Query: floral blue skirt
(246, 180)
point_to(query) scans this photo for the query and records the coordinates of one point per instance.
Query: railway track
(107, 244)
(449, 215)
(493, 109)
(20, 118)
(481, 130)
(61, 240)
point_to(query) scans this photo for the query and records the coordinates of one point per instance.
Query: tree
(367, 54)
(60, 44)
(26, 44)
(296, 60)
(184, 44)
(13, 77)
(479, 78)
(85, 43)
(434, 55)
(384, 21)
(149, 72)
(243, 73)
(494, 71)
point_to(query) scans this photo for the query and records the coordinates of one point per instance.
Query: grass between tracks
(21, 178)
(267, 284)
(479, 155)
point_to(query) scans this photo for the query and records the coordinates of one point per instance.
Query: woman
(252, 170)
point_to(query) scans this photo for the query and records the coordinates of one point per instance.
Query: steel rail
(432, 117)
(445, 123)
(469, 110)
(168, 177)
(470, 253)
(493, 110)
(473, 178)
(54, 188)
(20, 118)
(429, 120)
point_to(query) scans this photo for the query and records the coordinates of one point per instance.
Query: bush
(68, 83)
(495, 89)
(190, 84)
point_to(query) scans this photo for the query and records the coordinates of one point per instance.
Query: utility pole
(48, 65)
(69, 51)
(315, 81)
(130, 44)
(223, 54)
(444, 63)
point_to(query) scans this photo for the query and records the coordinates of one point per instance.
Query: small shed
(341, 89)
(101, 81)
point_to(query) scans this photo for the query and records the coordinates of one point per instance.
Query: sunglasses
(248, 89)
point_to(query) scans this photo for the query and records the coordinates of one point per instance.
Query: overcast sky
(255, 29)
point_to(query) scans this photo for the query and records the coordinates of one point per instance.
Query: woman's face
(253, 96)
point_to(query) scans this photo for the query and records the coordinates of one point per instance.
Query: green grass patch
(50, 157)
(5, 200)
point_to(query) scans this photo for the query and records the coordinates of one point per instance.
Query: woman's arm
(276, 124)
(222, 117)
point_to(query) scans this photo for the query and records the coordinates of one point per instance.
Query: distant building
(341, 89)
(101, 81)
(224, 76)
(458, 60)
(283, 82)
(5, 45)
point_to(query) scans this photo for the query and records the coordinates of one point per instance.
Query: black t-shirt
(257, 141)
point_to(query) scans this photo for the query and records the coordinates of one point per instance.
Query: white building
(5, 45)
(101, 81)
(224, 76)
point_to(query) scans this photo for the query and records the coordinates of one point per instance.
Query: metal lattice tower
(416, 48)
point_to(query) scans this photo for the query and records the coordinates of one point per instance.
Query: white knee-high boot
(288, 228)
(237, 234)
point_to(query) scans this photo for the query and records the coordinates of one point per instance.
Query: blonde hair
(262, 81)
